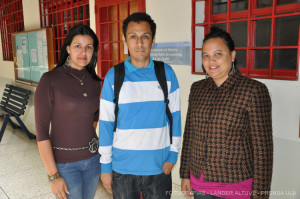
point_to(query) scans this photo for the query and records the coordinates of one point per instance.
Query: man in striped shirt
(138, 156)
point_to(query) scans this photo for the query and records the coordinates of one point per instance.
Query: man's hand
(186, 187)
(59, 188)
(106, 179)
(167, 168)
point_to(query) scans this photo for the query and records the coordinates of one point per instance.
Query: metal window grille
(62, 15)
(11, 20)
(255, 17)
(109, 18)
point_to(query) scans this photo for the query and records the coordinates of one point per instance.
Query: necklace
(81, 83)
(80, 80)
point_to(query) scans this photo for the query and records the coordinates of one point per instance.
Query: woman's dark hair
(216, 32)
(80, 29)
(138, 17)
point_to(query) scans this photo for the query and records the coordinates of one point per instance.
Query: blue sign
(178, 53)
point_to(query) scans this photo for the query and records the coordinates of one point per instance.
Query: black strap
(161, 78)
(119, 79)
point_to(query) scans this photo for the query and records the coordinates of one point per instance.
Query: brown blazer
(228, 133)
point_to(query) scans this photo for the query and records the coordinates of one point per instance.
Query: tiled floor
(22, 173)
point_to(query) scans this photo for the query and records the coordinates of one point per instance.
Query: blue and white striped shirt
(141, 143)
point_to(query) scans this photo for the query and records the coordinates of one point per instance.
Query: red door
(109, 17)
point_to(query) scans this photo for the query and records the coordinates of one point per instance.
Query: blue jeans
(82, 177)
(127, 186)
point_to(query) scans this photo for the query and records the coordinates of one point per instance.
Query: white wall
(31, 12)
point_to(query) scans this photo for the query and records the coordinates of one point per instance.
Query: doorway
(109, 17)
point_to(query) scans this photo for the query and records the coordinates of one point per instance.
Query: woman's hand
(59, 188)
(106, 179)
(186, 187)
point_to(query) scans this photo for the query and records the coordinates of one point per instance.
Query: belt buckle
(93, 145)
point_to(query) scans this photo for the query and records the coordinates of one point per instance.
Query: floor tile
(2, 194)
(25, 184)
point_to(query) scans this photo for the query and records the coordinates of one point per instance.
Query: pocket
(117, 176)
(163, 173)
(62, 166)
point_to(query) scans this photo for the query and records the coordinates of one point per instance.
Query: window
(266, 35)
(61, 15)
(11, 20)
(109, 18)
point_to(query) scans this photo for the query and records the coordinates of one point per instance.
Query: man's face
(139, 41)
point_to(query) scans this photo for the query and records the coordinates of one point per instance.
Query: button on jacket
(228, 133)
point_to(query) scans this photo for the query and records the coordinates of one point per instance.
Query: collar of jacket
(229, 83)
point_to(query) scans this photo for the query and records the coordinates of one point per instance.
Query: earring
(206, 75)
(68, 61)
(233, 68)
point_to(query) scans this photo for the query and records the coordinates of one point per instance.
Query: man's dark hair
(216, 32)
(139, 17)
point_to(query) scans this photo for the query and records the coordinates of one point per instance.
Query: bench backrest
(14, 100)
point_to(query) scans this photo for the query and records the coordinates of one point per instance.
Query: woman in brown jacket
(227, 148)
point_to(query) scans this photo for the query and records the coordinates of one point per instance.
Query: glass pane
(239, 5)
(221, 25)
(123, 11)
(262, 59)
(87, 12)
(114, 32)
(104, 36)
(198, 61)
(69, 15)
(287, 31)
(200, 12)
(264, 3)
(134, 6)
(285, 59)
(114, 49)
(113, 14)
(239, 33)
(263, 32)
(80, 13)
(284, 2)
(199, 35)
(219, 6)
(241, 58)
(75, 14)
(103, 16)
(104, 49)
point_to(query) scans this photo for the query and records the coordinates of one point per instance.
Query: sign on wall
(177, 53)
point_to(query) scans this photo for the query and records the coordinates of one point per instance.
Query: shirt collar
(229, 82)
(132, 68)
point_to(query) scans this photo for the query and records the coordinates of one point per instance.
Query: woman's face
(217, 59)
(81, 51)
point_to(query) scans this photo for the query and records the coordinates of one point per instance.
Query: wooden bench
(13, 104)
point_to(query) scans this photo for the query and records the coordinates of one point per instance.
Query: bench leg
(30, 135)
(15, 126)
(3, 127)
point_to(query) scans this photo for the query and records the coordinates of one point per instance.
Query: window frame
(60, 15)
(250, 15)
(11, 21)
